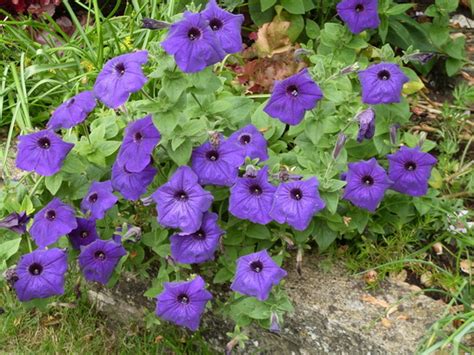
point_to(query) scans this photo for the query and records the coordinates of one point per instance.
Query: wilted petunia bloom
(42, 152)
(366, 120)
(183, 303)
(251, 198)
(120, 77)
(366, 184)
(217, 164)
(141, 137)
(131, 185)
(84, 234)
(99, 259)
(16, 222)
(256, 274)
(251, 142)
(292, 97)
(199, 246)
(359, 15)
(99, 199)
(296, 203)
(382, 83)
(41, 274)
(181, 202)
(193, 43)
(410, 170)
(53, 221)
(73, 111)
(225, 25)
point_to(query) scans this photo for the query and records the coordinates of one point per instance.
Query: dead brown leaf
(375, 301)
(386, 323)
(272, 38)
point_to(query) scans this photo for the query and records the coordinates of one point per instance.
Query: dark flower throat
(181, 195)
(296, 194)
(255, 190)
(100, 255)
(256, 266)
(383, 75)
(359, 8)
(215, 24)
(368, 180)
(93, 198)
(212, 155)
(120, 68)
(44, 143)
(35, 269)
(245, 139)
(50, 215)
(194, 34)
(292, 90)
(183, 298)
(410, 165)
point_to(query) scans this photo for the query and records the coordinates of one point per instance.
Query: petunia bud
(350, 69)
(250, 171)
(10, 276)
(300, 53)
(151, 24)
(147, 201)
(366, 120)
(133, 234)
(16, 222)
(341, 140)
(215, 138)
(422, 139)
(422, 57)
(274, 324)
(393, 133)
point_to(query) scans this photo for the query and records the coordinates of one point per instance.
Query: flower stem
(196, 99)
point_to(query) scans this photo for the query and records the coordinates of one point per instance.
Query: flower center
(44, 143)
(181, 196)
(120, 68)
(35, 269)
(245, 139)
(84, 234)
(383, 75)
(183, 298)
(255, 190)
(410, 165)
(359, 8)
(199, 235)
(100, 255)
(194, 34)
(212, 155)
(137, 137)
(292, 90)
(215, 24)
(256, 266)
(368, 180)
(51, 215)
(296, 194)
(93, 197)
(71, 102)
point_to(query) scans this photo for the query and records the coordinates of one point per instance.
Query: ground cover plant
(158, 142)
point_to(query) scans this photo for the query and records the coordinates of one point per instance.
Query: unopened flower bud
(147, 201)
(350, 69)
(393, 133)
(366, 121)
(300, 53)
(133, 233)
(274, 324)
(215, 138)
(422, 139)
(10, 276)
(422, 57)
(250, 171)
(151, 24)
(341, 140)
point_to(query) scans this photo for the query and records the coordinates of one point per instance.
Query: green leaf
(258, 231)
(383, 28)
(453, 66)
(223, 275)
(296, 27)
(259, 17)
(324, 236)
(312, 29)
(331, 199)
(108, 147)
(181, 155)
(53, 182)
(399, 9)
(295, 7)
(266, 4)
(9, 248)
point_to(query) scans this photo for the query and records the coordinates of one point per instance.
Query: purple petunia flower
(296, 203)
(382, 83)
(410, 170)
(225, 25)
(16, 222)
(73, 111)
(366, 184)
(99, 259)
(217, 164)
(256, 274)
(131, 185)
(359, 15)
(183, 303)
(42, 152)
(251, 142)
(41, 274)
(84, 234)
(199, 246)
(181, 202)
(120, 77)
(251, 198)
(141, 137)
(193, 43)
(53, 221)
(292, 97)
(99, 199)
(366, 120)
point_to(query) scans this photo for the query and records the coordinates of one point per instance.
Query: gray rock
(334, 313)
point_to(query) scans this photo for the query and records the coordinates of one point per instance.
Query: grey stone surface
(334, 313)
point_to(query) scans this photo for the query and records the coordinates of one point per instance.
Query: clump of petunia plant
(237, 181)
